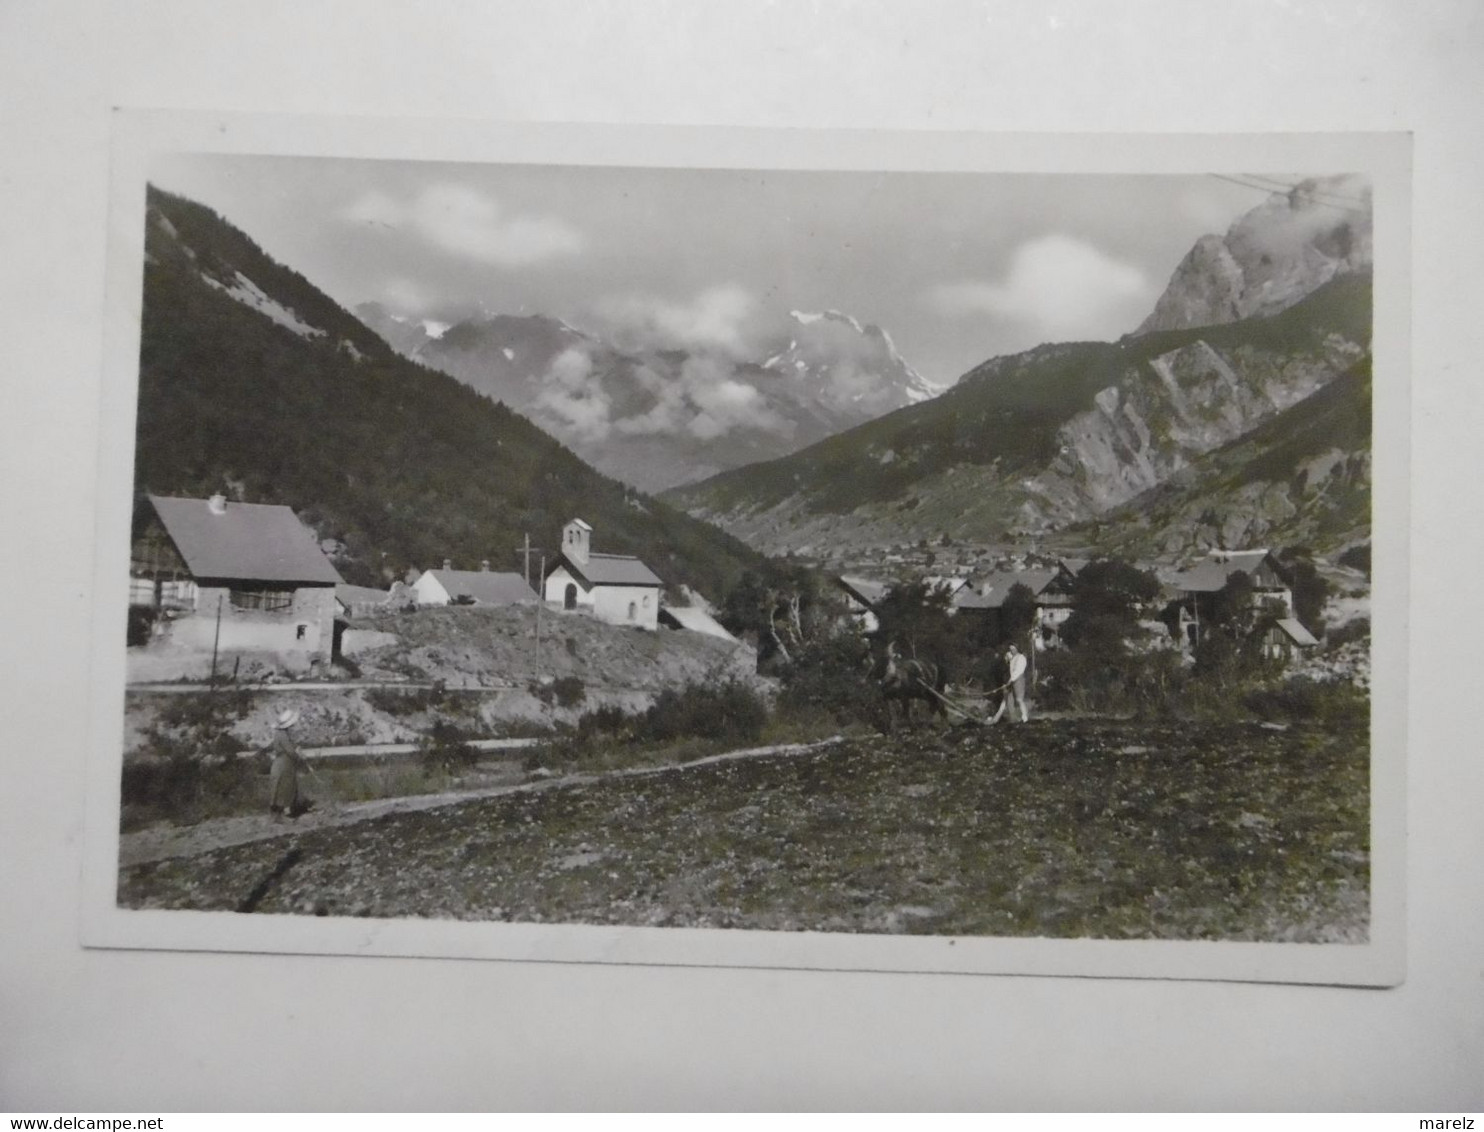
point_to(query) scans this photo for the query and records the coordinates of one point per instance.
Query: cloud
(406, 296)
(722, 402)
(574, 399)
(1058, 288)
(1286, 222)
(703, 398)
(471, 224)
(721, 319)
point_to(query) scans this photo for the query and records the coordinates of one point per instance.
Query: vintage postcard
(862, 551)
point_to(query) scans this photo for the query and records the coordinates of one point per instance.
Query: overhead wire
(1269, 189)
(1288, 186)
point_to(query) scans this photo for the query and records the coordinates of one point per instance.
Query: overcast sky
(957, 267)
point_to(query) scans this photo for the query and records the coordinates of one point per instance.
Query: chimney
(218, 504)
(448, 563)
(484, 566)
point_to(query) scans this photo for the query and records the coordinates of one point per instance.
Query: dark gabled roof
(1296, 632)
(487, 587)
(1212, 572)
(971, 598)
(248, 542)
(864, 590)
(996, 587)
(611, 570)
(950, 584)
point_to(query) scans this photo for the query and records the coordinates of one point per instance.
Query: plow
(971, 705)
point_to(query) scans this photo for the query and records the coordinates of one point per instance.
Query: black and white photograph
(818, 557)
(841, 553)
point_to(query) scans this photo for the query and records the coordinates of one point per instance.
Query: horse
(904, 680)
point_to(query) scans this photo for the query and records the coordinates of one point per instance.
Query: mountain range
(254, 383)
(404, 443)
(656, 418)
(1234, 362)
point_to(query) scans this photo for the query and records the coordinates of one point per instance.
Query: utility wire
(1289, 186)
(1270, 190)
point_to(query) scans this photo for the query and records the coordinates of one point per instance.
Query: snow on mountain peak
(805, 318)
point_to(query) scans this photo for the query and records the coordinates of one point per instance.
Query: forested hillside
(255, 383)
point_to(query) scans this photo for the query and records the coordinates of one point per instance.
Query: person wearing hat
(283, 779)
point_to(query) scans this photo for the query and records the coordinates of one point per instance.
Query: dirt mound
(488, 647)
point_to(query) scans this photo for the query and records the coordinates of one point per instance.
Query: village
(214, 583)
(242, 597)
(475, 710)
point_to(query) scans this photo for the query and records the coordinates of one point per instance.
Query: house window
(646, 601)
(569, 597)
(300, 631)
(633, 611)
(261, 599)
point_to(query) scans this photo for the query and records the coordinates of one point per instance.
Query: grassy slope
(1006, 410)
(405, 465)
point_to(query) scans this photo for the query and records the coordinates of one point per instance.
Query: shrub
(1332, 704)
(189, 783)
(205, 711)
(569, 691)
(408, 701)
(727, 711)
(1358, 629)
(1358, 558)
(141, 625)
(609, 719)
(829, 677)
(446, 748)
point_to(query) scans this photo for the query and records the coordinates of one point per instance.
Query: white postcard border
(139, 134)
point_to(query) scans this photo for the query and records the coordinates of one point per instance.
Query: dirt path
(161, 842)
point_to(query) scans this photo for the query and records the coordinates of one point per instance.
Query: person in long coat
(283, 777)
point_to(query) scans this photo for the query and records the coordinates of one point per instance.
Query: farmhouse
(1198, 586)
(484, 586)
(617, 588)
(212, 574)
(1050, 590)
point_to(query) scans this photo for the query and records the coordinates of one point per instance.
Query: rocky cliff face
(1167, 412)
(1302, 477)
(1284, 249)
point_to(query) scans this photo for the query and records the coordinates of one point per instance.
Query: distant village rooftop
(1216, 569)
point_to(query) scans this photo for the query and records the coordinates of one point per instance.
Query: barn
(617, 588)
(217, 575)
(1199, 585)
